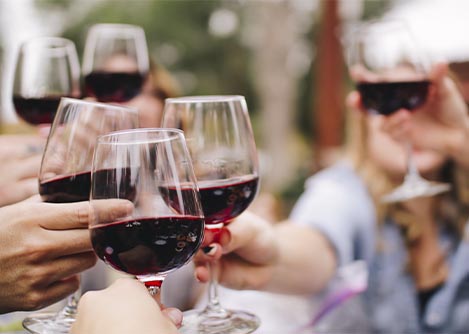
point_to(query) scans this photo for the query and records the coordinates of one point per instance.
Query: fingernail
(210, 250)
(175, 315)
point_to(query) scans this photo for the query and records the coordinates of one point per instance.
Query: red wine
(386, 98)
(66, 189)
(113, 86)
(36, 110)
(222, 200)
(148, 245)
(76, 187)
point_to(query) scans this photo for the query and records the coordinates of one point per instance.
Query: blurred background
(284, 56)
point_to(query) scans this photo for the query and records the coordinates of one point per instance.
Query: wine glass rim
(105, 139)
(204, 98)
(107, 26)
(97, 104)
(52, 42)
(382, 24)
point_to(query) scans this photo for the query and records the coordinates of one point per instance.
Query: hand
(21, 158)
(44, 247)
(282, 257)
(124, 307)
(441, 124)
(249, 251)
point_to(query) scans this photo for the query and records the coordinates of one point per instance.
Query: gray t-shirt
(336, 203)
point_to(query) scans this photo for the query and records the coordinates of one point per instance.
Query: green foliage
(219, 65)
(375, 8)
(47, 4)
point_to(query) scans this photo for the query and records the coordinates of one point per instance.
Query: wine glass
(46, 69)
(65, 174)
(115, 62)
(162, 232)
(391, 73)
(221, 143)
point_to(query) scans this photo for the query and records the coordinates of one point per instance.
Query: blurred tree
(179, 39)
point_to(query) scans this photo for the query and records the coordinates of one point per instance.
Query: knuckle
(36, 249)
(89, 260)
(82, 214)
(34, 300)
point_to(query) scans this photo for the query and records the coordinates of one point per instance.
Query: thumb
(174, 315)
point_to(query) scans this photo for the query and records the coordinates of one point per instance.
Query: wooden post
(328, 94)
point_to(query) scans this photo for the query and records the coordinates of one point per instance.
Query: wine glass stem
(214, 307)
(412, 171)
(70, 310)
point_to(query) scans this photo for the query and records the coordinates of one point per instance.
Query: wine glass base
(47, 323)
(415, 189)
(233, 322)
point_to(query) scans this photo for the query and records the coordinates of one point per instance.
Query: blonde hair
(454, 208)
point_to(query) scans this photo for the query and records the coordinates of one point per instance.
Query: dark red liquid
(222, 200)
(387, 97)
(76, 188)
(113, 86)
(66, 189)
(36, 110)
(149, 245)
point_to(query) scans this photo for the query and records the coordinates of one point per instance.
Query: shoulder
(338, 187)
(341, 176)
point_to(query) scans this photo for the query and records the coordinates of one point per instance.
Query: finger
(78, 215)
(19, 146)
(36, 198)
(202, 274)
(253, 239)
(65, 242)
(18, 191)
(216, 235)
(238, 274)
(110, 210)
(395, 120)
(438, 73)
(51, 294)
(66, 266)
(27, 168)
(174, 315)
(209, 253)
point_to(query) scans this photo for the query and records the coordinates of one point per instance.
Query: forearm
(306, 261)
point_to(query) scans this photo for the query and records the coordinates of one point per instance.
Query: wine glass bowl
(223, 151)
(46, 69)
(157, 236)
(65, 175)
(391, 73)
(115, 62)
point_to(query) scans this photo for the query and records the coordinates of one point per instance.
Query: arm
(283, 257)
(124, 307)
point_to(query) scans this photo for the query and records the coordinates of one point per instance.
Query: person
(158, 85)
(417, 251)
(44, 248)
(21, 157)
(124, 307)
